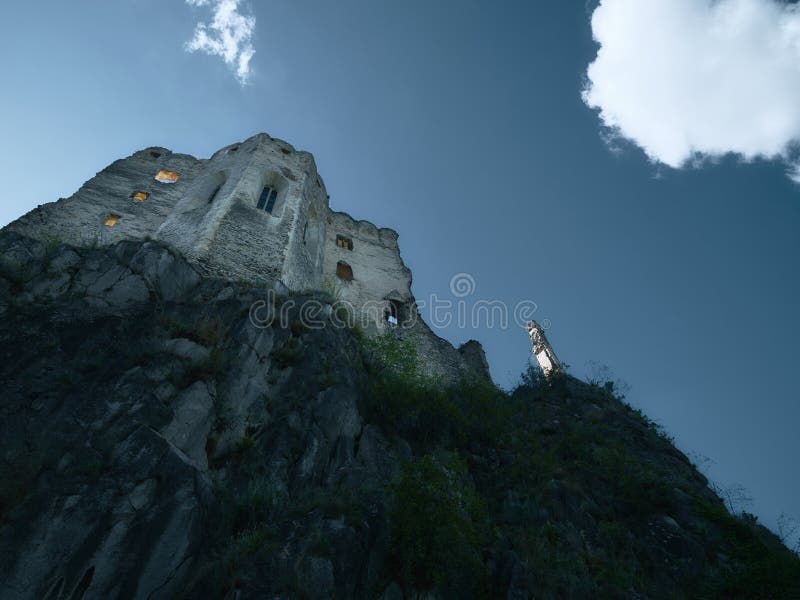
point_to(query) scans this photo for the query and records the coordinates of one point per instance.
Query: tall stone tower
(255, 210)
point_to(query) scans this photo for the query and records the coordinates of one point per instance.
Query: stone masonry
(255, 211)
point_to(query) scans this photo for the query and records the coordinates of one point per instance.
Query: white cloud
(229, 35)
(688, 80)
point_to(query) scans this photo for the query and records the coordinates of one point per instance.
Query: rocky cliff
(156, 441)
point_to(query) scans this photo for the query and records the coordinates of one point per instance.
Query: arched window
(267, 199)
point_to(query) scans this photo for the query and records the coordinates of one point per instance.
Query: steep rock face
(164, 435)
(130, 385)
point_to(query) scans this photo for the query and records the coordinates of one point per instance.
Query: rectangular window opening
(164, 176)
(344, 242)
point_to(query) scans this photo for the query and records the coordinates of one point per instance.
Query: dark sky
(461, 125)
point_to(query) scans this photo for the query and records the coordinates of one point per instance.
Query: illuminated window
(267, 199)
(344, 242)
(111, 220)
(344, 271)
(164, 176)
(140, 196)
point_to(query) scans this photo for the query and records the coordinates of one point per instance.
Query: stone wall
(231, 237)
(79, 220)
(381, 286)
(379, 274)
(210, 216)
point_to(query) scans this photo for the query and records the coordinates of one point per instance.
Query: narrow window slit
(267, 199)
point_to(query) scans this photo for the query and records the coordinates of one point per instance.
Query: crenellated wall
(381, 286)
(379, 274)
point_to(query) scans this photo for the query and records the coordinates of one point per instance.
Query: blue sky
(462, 125)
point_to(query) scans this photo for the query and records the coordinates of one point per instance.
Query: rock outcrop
(156, 441)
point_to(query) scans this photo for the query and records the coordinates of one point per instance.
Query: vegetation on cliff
(156, 442)
(575, 484)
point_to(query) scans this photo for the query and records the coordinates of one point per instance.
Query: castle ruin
(255, 211)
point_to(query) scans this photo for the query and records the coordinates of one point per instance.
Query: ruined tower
(542, 350)
(256, 211)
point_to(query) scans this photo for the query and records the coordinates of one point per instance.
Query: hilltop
(157, 443)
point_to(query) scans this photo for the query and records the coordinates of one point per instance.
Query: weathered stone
(188, 350)
(336, 414)
(212, 217)
(169, 277)
(128, 290)
(50, 285)
(191, 424)
(20, 257)
(65, 259)
(475, 358)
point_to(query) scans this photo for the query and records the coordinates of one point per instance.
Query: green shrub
(438, 529)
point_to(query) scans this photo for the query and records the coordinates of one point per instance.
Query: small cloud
(229, 35)
(690, 81)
